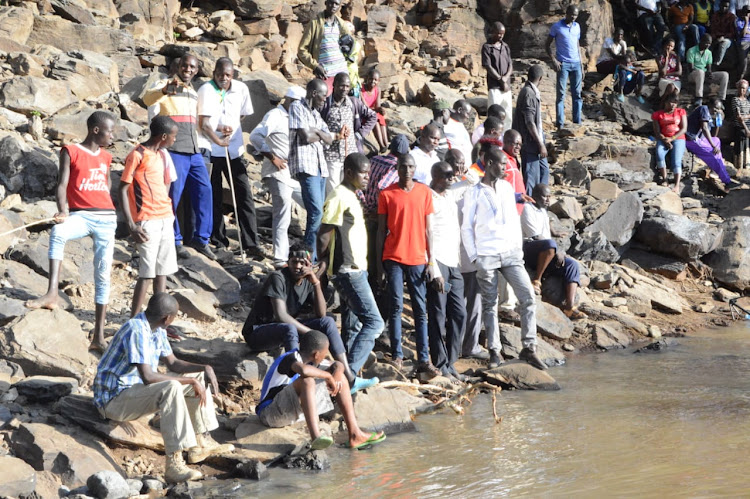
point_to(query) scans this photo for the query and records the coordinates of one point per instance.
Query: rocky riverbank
(654, 263)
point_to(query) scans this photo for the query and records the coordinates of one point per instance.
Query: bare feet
(676, 189)
(98, 347)
(47, 301)
(363, 438)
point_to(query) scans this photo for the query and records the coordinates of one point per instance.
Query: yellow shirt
(343, 209)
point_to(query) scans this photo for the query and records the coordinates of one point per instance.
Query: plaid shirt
(383, 173)
(135, 343)
(305, 158)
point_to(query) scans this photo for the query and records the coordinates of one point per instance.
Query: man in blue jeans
(273, 322)
(307, 163)
(178, 99)
(567, 62)
(527, 120)
(403, 244)
(342, 248)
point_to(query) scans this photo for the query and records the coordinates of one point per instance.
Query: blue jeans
(193, 174)
(360, 319)
(101, 228)
(313, 196)
(447, 318)
(575, 72)
(535, 170)
(690, 37)
(675, 158)
(416, 283)
(266, 337)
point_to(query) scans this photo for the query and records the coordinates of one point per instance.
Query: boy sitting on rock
(295, 386)
(128, 386)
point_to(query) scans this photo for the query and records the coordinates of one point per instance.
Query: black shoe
(531, 358)
(495, 360)
(480, 355)
(256, 253)
(182, 251)
(428, 369)
(203, 249)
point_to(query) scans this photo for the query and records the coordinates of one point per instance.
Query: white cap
(296, 92)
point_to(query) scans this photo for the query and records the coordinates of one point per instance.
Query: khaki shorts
(158, 254)
(285, 409)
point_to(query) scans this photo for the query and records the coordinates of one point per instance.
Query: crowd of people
(457, 217)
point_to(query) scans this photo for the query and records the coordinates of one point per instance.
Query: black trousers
(245, 204)
(446, 316)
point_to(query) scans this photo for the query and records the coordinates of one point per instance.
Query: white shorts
(158, 254)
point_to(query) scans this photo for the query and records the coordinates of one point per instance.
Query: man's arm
(548, 47)
(467, 225)
(368, 118)
(204, 122)
(324, 243)
(379, 244)
(313, 135)
(530, 120)
(308, 371)
(62, 186)
(149, 376)
(156, 93)
(139, 235)
(281, 314)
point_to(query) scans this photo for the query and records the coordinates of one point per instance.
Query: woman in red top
(370, 94)
(670, 125)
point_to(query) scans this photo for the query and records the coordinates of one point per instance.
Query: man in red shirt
(405, 212)
(512, 143)
(85, 208)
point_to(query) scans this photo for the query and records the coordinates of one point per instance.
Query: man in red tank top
(85, 208)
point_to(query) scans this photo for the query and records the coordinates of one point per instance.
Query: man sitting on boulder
(297, 386)
(128, 386)
(273, 322)
(539, 249)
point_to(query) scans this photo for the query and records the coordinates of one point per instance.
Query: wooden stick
(38, 222)
(234, 202)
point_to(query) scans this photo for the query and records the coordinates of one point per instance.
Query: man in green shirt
(699, 61)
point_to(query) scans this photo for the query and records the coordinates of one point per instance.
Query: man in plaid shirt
(307, 163)
(128, 386)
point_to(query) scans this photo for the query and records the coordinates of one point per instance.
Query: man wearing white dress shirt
(424, 154)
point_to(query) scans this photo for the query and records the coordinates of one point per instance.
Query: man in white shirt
(424, 154)
(455, 131)
(446, 312)
(221, 104)
(491, 233)
(540, 250)
(271, 139)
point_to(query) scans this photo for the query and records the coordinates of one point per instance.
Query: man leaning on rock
(128, 386)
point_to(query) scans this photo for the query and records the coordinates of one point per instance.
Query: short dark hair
(451, 155)
(161, 125)
(356, 161)
(486, 144)
(316, 84)
(495, 110)
(98, 118)
(339, 77)
(299, 250)
(460, 103)
(510, 135)
(535, 72)
(160, 306)
(438, 168)
(494, 153)
(373, 71)
(312, 341)
(492, 123)
(223, 62)
(430, 128)
(538, 188)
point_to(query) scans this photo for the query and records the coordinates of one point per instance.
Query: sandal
(537, 285)
(574, 314)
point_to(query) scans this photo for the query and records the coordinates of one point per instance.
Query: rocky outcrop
(679, 236)
(731, 260)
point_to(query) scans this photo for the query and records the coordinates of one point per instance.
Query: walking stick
(38, 222)
(234, 203)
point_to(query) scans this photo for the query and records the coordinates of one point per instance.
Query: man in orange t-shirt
(405, 211)
(144, 195)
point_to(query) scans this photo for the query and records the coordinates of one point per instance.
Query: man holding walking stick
(221, 104)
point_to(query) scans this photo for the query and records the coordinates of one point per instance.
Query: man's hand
(279, 163)
(200, 392)
(211, 377)
(139, 235)
(527, 199)
(556, 64)
(319, 72)
(542, 151)
(171, 87)
(439, 284)
(560, 259)
(380, 277)
(345, 132)
(334, 387)
(60, 217)
(223, 142)
(308, 272)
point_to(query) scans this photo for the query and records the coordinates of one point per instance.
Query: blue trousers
(570, 272)
(535, 170)
(193, 175)
(360, 318)
(269, 336)
(313, 197)
(415, 282)
(573, 71)
(446, 315)
(685, 39)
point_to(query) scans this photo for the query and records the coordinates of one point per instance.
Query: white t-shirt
(424, 163)
(535, 222)
(619, 49)
(224, 109)
(458, 138)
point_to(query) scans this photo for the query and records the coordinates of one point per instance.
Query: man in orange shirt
(144, 196)
(405, 211)
(512, 143)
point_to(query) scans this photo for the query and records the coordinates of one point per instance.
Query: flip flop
(364, 384)
(322, 442)
(537, 285)
(374, 439)
(574, 314)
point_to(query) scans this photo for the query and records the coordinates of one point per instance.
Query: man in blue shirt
(128, 386)
(567, 62)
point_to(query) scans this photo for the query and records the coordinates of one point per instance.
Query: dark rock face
(679, 236)
(731, 260)
(618, 224)
(594, 246)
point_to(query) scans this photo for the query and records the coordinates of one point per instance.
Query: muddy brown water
(669, 424)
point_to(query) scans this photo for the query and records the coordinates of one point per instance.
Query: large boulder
(76, 268)
(381, 22)
(45, 389)
(634, 116)
(17, 479)
(621, 219)
(274, 82)
(511, 341)
(228, 359)
(731, 261)
(201, 274)
(261, 100)
(520, 376)
(29, 171)
(29, 94)
(148, 21)
(89, 74)
(551, 322)
(678, 236)
(68, 36)
(593, 245)
(47, 342)
(70, 453)
(16, 24)
(257, 9)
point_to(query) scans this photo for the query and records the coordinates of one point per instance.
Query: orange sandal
(574, 314)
